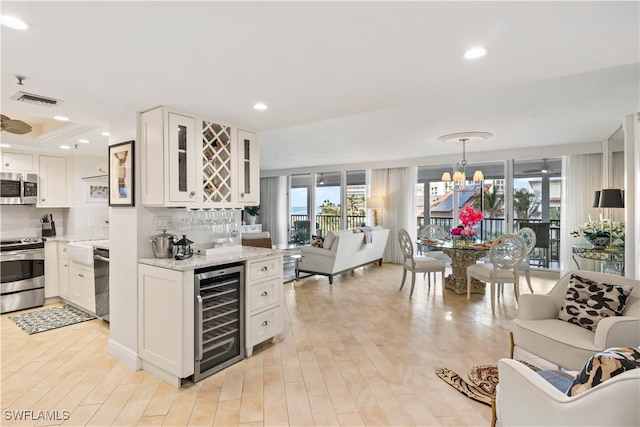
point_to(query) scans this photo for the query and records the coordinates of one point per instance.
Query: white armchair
(538, 330)
(524, 398)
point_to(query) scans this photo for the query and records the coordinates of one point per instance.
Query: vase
(598, 242)
(250, 219)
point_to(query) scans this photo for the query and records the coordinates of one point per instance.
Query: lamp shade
(446, 176)
(458, 176)
(478, 176)
(611, 198)
(596, 199)
(375, 202)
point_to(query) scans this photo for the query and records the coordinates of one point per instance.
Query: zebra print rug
(482, 382)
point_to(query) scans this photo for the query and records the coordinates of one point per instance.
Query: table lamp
(611, 198)
(375, 203)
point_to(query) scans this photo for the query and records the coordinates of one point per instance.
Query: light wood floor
(358, 352)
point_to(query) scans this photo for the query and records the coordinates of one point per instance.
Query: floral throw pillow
(587, 302)
(317, 242)
(602, 366)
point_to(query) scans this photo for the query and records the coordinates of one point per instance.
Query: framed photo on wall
(121, 174)
(96, 192)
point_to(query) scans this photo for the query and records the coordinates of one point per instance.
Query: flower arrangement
(470, 217)
(591, 230)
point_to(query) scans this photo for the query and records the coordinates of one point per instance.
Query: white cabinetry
(166, 322)
(63, 271)
(52, 189)
(51, 282)
(191, 161)
(17, 162)
(82, 287)
(263, 308)
(248, 167)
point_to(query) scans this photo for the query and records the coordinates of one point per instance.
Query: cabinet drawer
(265, 325)
(265, 294)
(265, 269)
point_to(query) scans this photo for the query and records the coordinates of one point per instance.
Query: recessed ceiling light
(61, 118)
(105, 134)
(65, 147)
(475, 52)
(84, 141)
(13, 22)
(260, 106)
(5, 145)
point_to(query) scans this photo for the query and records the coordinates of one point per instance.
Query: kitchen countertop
(243, 253)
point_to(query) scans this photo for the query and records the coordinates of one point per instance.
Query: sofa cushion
(330, 237)
(587, 302)
(317, 241)
(604, 365)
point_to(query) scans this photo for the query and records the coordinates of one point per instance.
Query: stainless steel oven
(22, 274)
(18, 188)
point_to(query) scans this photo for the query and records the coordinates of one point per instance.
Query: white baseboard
(124, 355)
(162, 374)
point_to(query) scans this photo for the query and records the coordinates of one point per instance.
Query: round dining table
(461, 258)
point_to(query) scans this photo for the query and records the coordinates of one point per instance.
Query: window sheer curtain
(274, 215)
(582, 176)
(398, 187)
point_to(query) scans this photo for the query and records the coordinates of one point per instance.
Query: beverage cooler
(219, 318)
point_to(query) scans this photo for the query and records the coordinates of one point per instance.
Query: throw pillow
(587, 302)
(602, 366)
(317, 241)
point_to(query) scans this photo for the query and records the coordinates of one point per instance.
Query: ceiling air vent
(36, 99)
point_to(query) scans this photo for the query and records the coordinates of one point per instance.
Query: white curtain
(273, 207)
(582, 177)
(617, 180)
(398, 188)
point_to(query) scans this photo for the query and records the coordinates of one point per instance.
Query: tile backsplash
(24, 221)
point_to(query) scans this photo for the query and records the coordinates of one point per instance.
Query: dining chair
(434, 232)
(417, 264)
(506, 253)
(529, 237)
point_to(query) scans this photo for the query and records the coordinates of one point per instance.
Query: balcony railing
(326, 223)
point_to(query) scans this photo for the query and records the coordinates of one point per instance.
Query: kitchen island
(168, 313)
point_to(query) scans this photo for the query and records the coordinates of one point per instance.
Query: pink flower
(470, 217)
(456, 231)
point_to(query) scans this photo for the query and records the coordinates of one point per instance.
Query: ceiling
(345, 82)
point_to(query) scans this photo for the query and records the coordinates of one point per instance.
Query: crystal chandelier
(460, 174)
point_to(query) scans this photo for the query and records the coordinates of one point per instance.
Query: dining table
(462, 256)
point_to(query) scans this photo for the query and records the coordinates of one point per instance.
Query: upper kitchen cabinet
(249, 167)
(17, 162)
(52, 189)
(192, 161)
(168, 152)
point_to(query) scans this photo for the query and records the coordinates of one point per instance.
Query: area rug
(483, 380)
(35, 322)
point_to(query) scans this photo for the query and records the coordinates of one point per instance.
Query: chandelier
(459, 176)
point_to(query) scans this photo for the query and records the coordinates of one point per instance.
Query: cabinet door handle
(66, 265)
(42, 200)
(266, 323)
(193, 193)
(264, 294)
(6, 164)
(265, 268)
(80, 275)
(241, 194)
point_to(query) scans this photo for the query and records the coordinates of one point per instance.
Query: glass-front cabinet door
(182, 145)
(249, 167)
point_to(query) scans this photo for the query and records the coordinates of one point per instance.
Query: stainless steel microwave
(18, 188)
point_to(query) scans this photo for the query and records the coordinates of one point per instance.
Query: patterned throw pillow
(317, 242)
(604, 365)
(587, 302)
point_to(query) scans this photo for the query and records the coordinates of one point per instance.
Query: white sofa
(524, 398)
(343, 251)
(538, 330)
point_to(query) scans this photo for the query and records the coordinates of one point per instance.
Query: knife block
(49, 229)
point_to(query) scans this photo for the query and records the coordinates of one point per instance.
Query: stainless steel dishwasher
(101, 279)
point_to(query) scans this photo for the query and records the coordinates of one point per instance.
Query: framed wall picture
(96, 192)
(121, 174)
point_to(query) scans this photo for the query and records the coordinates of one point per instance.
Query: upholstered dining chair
(434, 232)
(529, 237)
(417, 264)
(506, 253)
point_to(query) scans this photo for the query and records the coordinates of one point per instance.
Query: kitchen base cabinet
(166, 322)
(51, 276)
(81, 286)
(63, 271)
(263, 309)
